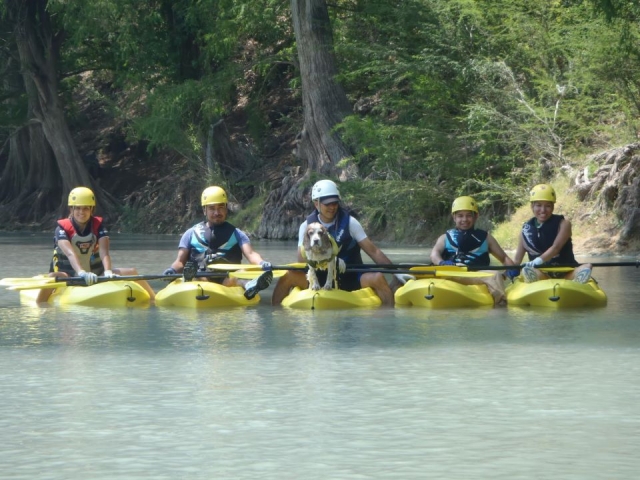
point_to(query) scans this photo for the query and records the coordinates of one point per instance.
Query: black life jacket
(85, 245)
(539, 238)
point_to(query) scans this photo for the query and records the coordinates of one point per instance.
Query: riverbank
(593, 232)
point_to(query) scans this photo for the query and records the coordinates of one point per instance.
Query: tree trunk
(30, 179)
(15, 171)
(325, 105)
(324, 101)
(38, 53)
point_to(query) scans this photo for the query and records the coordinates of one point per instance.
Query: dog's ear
(326, 240)
(305, 239)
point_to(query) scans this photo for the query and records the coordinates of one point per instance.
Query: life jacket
(220, 240)
(539, 238)
(467, 246)
(85, 246)
(349, 250)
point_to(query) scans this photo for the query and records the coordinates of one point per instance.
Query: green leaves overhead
(450, 96)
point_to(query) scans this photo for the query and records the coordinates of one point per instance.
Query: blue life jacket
(221, 240)
(467, 246)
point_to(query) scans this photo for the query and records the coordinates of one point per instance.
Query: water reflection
(264, 327)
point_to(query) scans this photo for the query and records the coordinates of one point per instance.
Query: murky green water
(270, 393)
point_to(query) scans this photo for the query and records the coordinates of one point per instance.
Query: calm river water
(264, 393)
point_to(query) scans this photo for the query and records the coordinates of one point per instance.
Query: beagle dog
(320, 251)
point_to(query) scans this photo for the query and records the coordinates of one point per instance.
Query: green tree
(37, 42)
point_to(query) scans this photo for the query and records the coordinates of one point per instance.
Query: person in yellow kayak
(81, 245)
(466, 245)
(215, 240)
(350, 238)
(546, 239)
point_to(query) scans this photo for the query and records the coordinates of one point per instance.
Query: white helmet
(326, 191)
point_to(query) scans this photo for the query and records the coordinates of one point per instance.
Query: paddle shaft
(356, 268)
(54, 282)
(543, 266)
(471, 268)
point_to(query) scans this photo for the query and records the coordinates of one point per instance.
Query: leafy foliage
(480, 97)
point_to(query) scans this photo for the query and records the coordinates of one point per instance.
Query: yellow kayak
(202, 294)
(107, 294)
(331, 299)
(442, 293)
(556, 293)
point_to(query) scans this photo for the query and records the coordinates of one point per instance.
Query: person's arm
(496, 250)
(373, 251)
(182, 258)
(67, 249)
(183, 253)
(360, 236)
(520, 251)
(251, 255)
(437, 250)
(105, 256)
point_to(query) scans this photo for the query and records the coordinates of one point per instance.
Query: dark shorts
(558, 274)
(60, 263)
(346, 281)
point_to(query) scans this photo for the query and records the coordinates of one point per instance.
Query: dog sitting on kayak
(320, 251)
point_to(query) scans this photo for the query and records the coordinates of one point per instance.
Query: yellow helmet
(464, 203)
(81, 197)
(211, 195)
(542, 192)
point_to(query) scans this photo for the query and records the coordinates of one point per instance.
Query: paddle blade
(230, 267)
(448, 271)
(37, 286)
(25, 281)
(557, 269)
(256, 273)
(443, 268)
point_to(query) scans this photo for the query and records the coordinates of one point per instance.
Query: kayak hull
(106, 294)
(442, 293)
(555, 293)
(331, 299)
(202, 294)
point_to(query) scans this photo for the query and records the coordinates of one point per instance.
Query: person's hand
(535, 262)
(109, 274)
(265, 265)
(512, 273)
(447, 262)
(342, 266)
(170, 271)
(89, 277)
(212, 258)
(403, 277)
